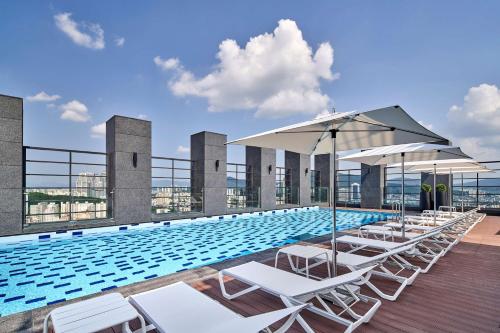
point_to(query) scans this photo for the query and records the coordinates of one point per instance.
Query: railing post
(477, 189)
(70, 186)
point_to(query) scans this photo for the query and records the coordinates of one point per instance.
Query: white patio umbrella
(449, 168)
(405, 153)
(446, 166)
(344, 131)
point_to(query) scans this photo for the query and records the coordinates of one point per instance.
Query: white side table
(94, 315)
(304, 252)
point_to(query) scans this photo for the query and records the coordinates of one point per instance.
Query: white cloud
(75, 111)
(322, 114)
(119, 41)
(167, 64)
(183, 150)
(43, 97)
(475, 125)
(98, 131)
(142, 116)
(89, 35)
(278, 74)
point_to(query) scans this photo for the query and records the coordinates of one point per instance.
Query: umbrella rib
(321, 137)
(397, 128)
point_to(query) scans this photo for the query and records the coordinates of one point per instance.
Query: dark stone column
(262, 162)
(11, 165)
(209, 170)
(324, 164)
(299, 166)
(372, 186)
(128, 148)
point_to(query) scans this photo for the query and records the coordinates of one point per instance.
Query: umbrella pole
(449, 190)
(334, 202)
(435, 199)
(462, 192)
(403, 192)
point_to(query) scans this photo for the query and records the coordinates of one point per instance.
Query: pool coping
(63, 233)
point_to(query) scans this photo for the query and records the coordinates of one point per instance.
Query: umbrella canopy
(439, 163)
(477, 169)
(360, 130)
(458, 169)
(443, 167)
(412, 152)
(404, 153)
(344, 131)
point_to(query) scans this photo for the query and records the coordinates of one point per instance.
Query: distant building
(91, 185)
(355, 192)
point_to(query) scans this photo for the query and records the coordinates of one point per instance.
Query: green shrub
(441, 188)
(426, 188)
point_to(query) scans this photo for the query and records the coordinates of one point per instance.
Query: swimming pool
(46, 271)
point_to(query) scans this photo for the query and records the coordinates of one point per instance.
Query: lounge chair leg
(299, 318)
(235, 295)
(46, 324)
(293, 317)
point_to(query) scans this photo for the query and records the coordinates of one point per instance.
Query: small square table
(304, 252)
(94, 315)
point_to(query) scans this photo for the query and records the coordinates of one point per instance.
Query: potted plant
(441, 196)
(425, 197)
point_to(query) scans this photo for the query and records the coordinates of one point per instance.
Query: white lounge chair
(294, 290)
(418, 248)
(178, 308)
(450, 233)
(355, 262)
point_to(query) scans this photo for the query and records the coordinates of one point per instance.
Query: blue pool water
(37, 273)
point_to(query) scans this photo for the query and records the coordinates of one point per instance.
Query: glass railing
(64, 185)
(167, 200)
(320, 195)
(240, 198)
(286, 196)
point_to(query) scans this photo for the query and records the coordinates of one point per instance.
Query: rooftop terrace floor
(461, 293)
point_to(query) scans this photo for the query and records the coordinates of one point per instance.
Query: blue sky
(425, 56)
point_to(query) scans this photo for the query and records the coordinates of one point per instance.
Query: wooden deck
(461, 293)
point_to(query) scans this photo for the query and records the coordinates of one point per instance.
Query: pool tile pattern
(48, 271)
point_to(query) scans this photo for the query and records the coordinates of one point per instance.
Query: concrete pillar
(324, 164)
(299, 166)
(262, 162)
(372, 186)
(209, 170)
(11, 165)
(128, 148)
